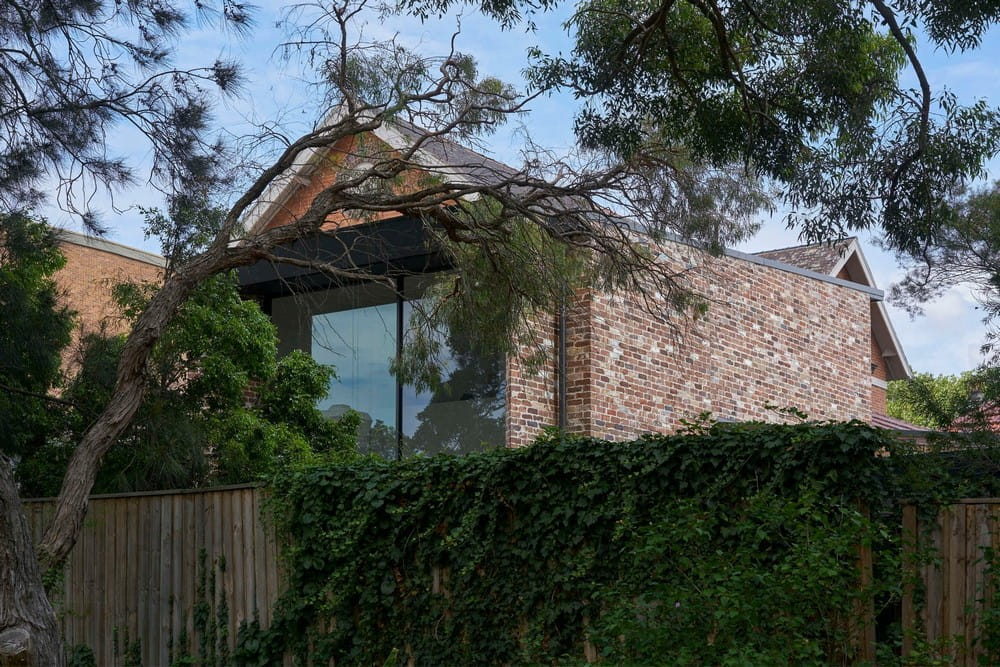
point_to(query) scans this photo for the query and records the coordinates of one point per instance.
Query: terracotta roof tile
(893, 424)
(985, 417)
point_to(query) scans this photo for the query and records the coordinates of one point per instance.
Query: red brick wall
(532, 399)
(769, 337)
(86, 283)
(350, 150)
(878, 361)
(879, 399)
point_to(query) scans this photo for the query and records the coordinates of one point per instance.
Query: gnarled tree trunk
(29, 631)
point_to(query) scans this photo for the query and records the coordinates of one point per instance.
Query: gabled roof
(823, 258)
(436, 154)
(843, 259)
(471, 165)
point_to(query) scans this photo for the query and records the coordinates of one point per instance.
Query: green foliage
(36, 328)
(210, 619)
(125, 649)
(80, 655)
(934, 401)
(767, 582)
(965, 402)
(516, 556)
(195, 426)
(811, 96)
(988, 640)
(529, 275)
(964, 252)
(66, 75)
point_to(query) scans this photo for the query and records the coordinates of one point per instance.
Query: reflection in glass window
(466, 412)
(360, 344)
(354, 329)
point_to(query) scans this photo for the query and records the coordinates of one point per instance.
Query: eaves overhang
(397, 246)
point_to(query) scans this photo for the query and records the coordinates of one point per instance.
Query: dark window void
(359, 331)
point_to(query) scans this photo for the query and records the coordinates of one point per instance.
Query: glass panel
(466, 413)
(357, 336)
(353, 329)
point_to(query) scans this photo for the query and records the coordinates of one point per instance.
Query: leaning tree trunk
(29, 631)
(127, 397)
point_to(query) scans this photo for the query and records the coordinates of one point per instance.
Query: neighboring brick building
(93, 266)
(801, 327)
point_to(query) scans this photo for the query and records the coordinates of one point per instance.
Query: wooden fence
(140, 560)
(949, 586)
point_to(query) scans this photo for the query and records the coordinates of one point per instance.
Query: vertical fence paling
(135, 568)
(946, 585)
(864, 624)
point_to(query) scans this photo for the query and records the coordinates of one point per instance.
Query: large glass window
(357, 330)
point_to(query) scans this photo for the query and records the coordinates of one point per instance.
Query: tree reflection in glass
(465, 412)
(354, 329)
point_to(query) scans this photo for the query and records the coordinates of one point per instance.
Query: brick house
(800, 327)
(93, 266)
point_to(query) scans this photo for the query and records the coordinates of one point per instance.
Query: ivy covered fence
(725, 544)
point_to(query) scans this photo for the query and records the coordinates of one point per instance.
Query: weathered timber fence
(137, 564)
(948, 584)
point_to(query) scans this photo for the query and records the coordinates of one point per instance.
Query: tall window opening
(360, 330)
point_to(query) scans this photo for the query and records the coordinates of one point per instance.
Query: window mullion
(399, 354)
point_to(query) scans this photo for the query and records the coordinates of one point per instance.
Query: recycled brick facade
(532, 390)
(770, 337)
(92, 267)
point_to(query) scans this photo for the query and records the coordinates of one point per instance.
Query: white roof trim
(281, 189)
(851, 248)
(892, 349)
(854, 250)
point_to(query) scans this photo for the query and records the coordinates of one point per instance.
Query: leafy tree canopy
(220, 408)
(36, 327)
(944, 401)
(934, 401)
(805, 94)
(72, 70)
(967, 251)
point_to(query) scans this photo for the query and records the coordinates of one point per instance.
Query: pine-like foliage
(72, 72)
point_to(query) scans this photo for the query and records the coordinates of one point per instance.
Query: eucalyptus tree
(964, 252)
(813, 95)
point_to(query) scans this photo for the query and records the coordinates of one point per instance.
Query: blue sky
(945, 340)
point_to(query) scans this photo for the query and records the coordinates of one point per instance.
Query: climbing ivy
(520, 556)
